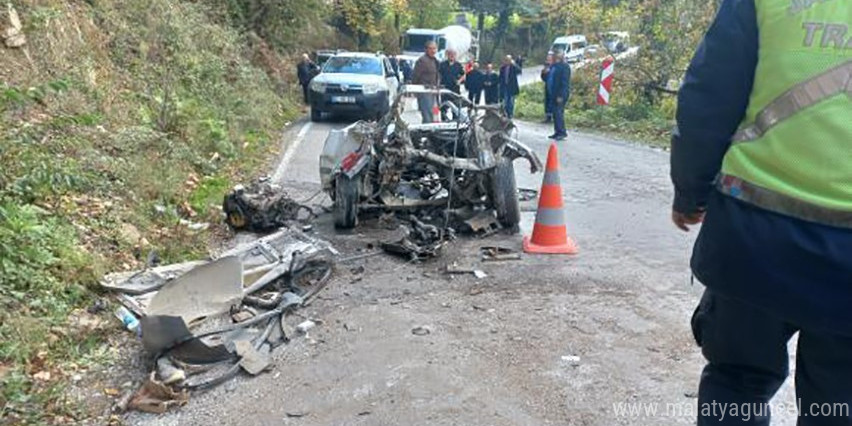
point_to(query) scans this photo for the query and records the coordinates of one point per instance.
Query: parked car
(574, 47)
(464, 166)
(616, 41)
(354, 83)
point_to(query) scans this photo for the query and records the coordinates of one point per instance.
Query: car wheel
(316, 115)
(346, 197)
(504, 194)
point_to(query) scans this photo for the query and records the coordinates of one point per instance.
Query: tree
(363, 17)
(431, 13)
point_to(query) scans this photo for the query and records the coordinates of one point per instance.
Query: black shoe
(553, 136)
(560, 137)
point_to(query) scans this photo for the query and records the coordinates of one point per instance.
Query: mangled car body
(464, 164)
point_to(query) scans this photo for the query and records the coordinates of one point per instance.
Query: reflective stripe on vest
(780, 203)
(808, 93)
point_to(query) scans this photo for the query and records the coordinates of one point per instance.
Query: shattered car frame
(461, 165)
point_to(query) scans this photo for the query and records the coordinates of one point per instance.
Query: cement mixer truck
(455, 37)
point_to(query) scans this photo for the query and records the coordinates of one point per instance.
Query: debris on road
(419, 241)
(526, 194)
(128, 320)
(421, 331)
(393, 165)
(305, 326)
(155, 397)
(572, 360)
(204, 321)
(483, 224)
(263, 207)
(456, 270)
(494, 254)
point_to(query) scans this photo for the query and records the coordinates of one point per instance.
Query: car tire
(316, 115)
(504, 194)
(346, 197)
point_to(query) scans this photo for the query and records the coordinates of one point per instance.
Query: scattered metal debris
(204, 321)
(456, 270)
(421, 331)
(156, 397)
(305, 326)
(483, 223)
(263, 207)
(394, 165)
(572, 360)
(494, 254)
(526, 194)
(419, 240)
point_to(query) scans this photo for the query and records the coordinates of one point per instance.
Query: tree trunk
(502, 28)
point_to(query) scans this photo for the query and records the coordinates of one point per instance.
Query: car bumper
(349, 102)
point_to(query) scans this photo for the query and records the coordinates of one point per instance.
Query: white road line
(291, 150)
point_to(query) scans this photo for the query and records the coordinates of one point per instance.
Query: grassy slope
(117, 120)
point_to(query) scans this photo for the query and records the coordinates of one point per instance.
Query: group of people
(451, 75)
(500, 86)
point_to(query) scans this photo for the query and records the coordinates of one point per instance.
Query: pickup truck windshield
(350, 65)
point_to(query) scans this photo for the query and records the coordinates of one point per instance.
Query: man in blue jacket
(559, 88)
(762, 155)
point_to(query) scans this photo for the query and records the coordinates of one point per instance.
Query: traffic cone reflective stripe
(550, 233)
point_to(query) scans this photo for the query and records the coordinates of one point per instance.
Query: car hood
(341, 78)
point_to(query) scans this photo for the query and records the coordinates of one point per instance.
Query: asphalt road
(500, 349)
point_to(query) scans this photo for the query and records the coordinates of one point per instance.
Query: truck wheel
(504, 193)
(316, 115)
(346, 197)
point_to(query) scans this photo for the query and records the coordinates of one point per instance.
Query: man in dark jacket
(474, 83)
(452, 75)
(426, 74)
(761, 156)
(509, 87)
(491, 85)
(559, 87)
(306, 70)
(548, 102)
(451, 72)
(405, 67)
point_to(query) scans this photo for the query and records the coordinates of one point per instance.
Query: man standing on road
(548, 103)
(306, 70)
(509, 87)
(452, 73)
(474, 83)
(763, 157)
(559, 86)
(426, 74)
(491, 85)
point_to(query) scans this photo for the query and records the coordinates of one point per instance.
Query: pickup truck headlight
(371, 88)
(318, 87)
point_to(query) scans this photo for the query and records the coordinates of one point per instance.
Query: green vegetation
(628, 116)
(117, 121)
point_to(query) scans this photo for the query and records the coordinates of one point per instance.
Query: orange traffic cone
(550, 234)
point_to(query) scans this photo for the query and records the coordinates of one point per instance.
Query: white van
(574, 47)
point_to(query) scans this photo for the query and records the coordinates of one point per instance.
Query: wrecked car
(462, 166)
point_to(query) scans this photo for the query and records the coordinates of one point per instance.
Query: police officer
(763, 157)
